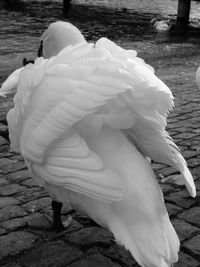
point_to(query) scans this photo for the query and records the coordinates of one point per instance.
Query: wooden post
(66, 3)
(183, 14)
(66, 7)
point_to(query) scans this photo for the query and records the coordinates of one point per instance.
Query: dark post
(66, 3)
(66, 7)
(183, 14)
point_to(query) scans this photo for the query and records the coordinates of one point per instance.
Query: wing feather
(71, 164)
(153, 141)
(90, 85)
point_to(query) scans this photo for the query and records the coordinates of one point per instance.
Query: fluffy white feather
(67, 120)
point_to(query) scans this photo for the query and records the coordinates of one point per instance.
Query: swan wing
(11, 83)
(71, 164)
(52, 98)
(153, 141)
(150, 104)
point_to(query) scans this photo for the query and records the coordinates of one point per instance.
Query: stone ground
(24, 205)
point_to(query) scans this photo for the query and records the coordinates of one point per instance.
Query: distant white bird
(161, 25)
(67, 120)
(197, 77)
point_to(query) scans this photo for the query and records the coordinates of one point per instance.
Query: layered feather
(85, 79)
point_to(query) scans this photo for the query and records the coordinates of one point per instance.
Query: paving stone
(8, 201)
(195, 173)
(185, 135)
(119, 254)
(9, 190)
(2, 231)
(30, 194)
(12, 264)
(5, 162)
(181, 129)
(166, 188)
(3, 181)
(197, 184)
(172, 209)
(18, 176)
(192, 216)
(186, 261)
(184, 229)
(11, 212)
(90, 236)
(38, 220)
(15, 242)
(181, 198)
(51, 254)
(3, 141)
(96, 260)
(37, 204)
(4, 149)
(30, 183)
(15, 165)
(193, 162)
(193, 245)
(13, 224)
(190, 154)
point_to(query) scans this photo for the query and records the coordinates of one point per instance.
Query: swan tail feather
(152, 245)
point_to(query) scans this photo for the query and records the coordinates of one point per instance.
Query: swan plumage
(67, 120)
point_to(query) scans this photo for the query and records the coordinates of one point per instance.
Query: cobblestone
(13, 224)
(36, 205)
(24, 205)
(192, 245)
(192, 215)
(18, 176)
(38, 220)
(9, 190)
(186, 261)
(173, 209)
(89, 237)
(50, 254)
(184, 229)
(15, 242)
(7, 201)
(181, 198)
(11, 212)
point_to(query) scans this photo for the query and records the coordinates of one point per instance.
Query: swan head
(59, 35)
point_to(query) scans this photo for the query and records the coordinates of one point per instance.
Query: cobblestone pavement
(24, 205)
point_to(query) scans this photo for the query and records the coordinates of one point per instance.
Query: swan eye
(40, 54)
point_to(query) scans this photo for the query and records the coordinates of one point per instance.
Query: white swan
(66, 123)
(161, 25)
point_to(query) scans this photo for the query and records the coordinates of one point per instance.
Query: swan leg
(57, 222)
(58, 225)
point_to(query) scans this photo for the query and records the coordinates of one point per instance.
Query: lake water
(22, 22)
